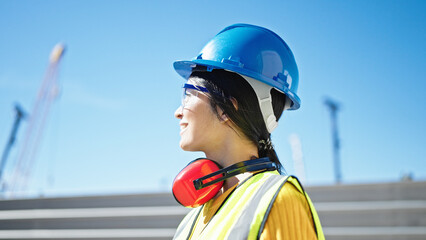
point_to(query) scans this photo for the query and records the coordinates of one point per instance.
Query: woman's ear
(234, 102)
(222, 114)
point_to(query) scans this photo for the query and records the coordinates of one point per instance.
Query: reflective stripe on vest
(295, 182)
(244, 213)
(185, 227)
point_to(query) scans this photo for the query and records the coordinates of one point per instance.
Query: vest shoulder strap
(247, 223)
(185, 227)
(295, 182)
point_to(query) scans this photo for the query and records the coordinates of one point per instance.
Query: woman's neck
(232, 150)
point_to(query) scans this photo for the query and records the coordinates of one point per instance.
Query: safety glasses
(190, 93)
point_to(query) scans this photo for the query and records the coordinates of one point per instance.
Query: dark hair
(224, 86)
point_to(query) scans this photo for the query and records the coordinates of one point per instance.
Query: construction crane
(26, 157)
(333, 106)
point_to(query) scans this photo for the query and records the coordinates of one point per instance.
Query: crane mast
(333, 106)
(20, 114)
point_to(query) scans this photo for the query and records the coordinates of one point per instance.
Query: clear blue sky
(112, 130)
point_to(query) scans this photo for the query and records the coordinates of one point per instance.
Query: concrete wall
(347, 212)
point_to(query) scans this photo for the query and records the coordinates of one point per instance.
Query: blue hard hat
(251, 51)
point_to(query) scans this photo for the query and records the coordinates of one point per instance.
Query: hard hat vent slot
(281, 78)
(235, 62)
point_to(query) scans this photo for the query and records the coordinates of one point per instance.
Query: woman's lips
(182, 127)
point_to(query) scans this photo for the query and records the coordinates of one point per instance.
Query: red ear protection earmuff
(202, 179)
(183, 186)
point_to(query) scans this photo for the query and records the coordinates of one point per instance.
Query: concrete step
(135, 200)
(375, 233)
(93, 218)
(368, 192)
(334, 193)
(376, 213)
(342, 233)
(332, 214)
(86, 234)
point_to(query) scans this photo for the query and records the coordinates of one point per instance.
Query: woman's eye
(190, 93)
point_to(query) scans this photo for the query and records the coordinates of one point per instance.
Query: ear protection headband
(202, 179)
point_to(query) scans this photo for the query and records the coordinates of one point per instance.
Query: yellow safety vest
(243, 215)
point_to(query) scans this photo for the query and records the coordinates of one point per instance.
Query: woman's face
(200, 128)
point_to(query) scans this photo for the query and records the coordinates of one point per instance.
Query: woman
(237, 89)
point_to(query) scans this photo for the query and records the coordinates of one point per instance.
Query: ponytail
(265, 148)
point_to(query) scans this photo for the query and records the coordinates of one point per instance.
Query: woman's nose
(178, 112)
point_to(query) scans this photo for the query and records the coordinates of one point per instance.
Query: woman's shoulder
(290, 216)
(290, 194)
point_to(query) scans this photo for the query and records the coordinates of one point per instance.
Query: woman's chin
(187, 146)
(184, 146)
